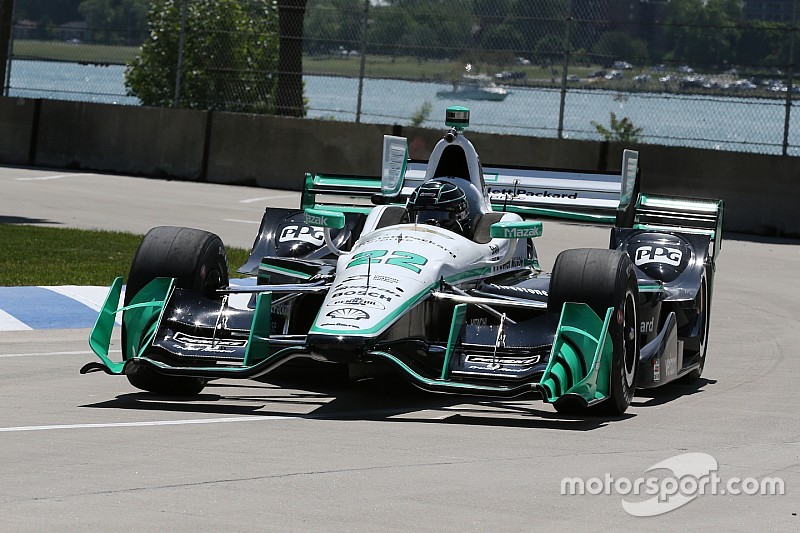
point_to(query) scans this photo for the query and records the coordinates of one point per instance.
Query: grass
(77, 52)
(36, 255)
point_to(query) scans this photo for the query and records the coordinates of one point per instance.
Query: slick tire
(197, 261)
(602, 279)
(699, 347)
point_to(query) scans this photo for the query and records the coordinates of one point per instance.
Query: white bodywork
(391, 270)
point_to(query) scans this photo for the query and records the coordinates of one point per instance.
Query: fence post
(179, 66)
(363, 60)
(562, 102)
(787, 118)
(6, 32)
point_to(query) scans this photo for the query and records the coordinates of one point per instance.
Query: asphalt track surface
(304, 452)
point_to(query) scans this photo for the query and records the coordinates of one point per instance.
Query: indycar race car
(430, 270)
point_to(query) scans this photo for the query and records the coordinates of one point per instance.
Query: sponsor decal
(494, 249)
(520, 233)
(671, 364)
(488, 359)
(647, 327)
(378, 293)
(522, 193)
(337, 325)
(360, 302)
(302, 233)
(657, 254)
(204, 344)
(526, 290)
(656, 370)
(316, 220)
(348, 313)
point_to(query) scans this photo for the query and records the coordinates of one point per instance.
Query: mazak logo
(657, 254)
(302, 233)
(520, 233)
(316, 220)
(671, 484)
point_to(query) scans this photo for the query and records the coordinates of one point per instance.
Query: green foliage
(616, 45)
(619, 130)
(229, 56)
(703, 31)
(419, 116)
(61, 256)
(115, 22)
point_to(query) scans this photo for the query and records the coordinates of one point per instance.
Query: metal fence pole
(6, 42)
(787, 119)
(562, 103)
(179, 66)
(363, 60)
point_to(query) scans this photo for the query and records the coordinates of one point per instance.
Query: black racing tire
(197, 261)
(702, 304)
(602, 279)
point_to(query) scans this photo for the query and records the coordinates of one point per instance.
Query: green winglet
(581, 356)
(258, 341)
(142, 315)
(138, 319)
(100, 337)
(459, 312)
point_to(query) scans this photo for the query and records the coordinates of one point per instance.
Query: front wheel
(602, 279)
(197, 261)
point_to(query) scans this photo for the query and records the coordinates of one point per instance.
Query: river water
(717, 122)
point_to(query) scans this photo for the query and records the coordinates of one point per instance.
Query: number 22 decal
(407, 260)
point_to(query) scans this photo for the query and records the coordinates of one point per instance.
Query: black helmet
(440, 203)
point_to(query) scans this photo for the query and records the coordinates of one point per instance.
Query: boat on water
(475, 88)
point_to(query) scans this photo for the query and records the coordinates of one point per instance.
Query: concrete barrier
(131, 140)
(761, 191)
(17, 120)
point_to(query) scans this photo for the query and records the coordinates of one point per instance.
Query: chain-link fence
(704, 73)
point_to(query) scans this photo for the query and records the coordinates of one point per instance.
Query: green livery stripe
(286, 271)
(354, 181)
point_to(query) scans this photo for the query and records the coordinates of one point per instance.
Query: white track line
(242, 221)
(45, 354)
(55, 177)
(18, 429)
(264, 198)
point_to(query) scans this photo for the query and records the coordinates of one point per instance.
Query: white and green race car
(430, 270)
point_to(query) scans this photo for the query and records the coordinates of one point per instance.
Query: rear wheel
(602, 279)
(698, 349)
(197, 261)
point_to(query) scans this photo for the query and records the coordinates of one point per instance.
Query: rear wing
(600, 197)
(589, 196)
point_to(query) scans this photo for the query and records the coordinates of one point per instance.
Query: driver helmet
(440, 203)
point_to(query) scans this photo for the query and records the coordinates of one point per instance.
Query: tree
(616, 45)
(619, 130)
(115, 21)
(229, 56)
(703, 31)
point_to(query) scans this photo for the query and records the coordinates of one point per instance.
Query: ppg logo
(302, 233)
(657, 254)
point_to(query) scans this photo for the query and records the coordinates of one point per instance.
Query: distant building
(74, 31)
(26, 29)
